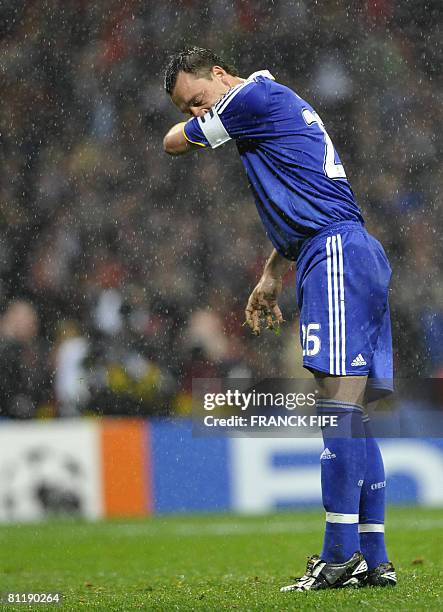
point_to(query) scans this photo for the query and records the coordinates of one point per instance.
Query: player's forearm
(175, 143)
(277, 265)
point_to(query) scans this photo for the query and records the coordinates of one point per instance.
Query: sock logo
(326, 454)
(378, 485)
(360, 483)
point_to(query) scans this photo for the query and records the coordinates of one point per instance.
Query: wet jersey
(297, 178)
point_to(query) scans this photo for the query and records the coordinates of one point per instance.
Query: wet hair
(194, 60)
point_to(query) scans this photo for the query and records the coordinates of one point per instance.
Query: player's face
(194, 95)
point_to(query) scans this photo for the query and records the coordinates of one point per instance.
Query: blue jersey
(297, 178)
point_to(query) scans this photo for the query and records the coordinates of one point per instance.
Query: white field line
(172, 528)
(273, 527)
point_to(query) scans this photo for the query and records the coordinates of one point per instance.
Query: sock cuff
(325, 404)
(371, 528)
(338, 517)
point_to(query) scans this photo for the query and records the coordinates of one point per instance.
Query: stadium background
(124, 273)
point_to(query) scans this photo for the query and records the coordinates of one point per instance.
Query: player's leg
(343, 463)
(372, 501)
(343, 466)
(347, 293)
(371, 527)
(342, 289)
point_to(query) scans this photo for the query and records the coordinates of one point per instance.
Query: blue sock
(343, 465)
(372, 505)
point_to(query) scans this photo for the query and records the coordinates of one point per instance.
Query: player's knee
(349, 389)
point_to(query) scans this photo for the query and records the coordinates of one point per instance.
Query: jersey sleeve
(241, 113)
(206, 131)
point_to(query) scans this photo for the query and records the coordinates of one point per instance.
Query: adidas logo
(326, 454)
(358, 361)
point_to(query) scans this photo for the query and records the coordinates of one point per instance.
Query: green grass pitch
(217, 562)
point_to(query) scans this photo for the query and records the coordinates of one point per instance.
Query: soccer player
(311, 217)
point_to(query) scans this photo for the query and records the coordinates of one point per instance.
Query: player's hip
(343, 281)
(344, 253)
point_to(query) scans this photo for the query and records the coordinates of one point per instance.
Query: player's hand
(262, 308)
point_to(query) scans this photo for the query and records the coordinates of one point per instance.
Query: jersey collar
(263, 73)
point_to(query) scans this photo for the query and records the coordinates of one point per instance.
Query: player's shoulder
(253, 91)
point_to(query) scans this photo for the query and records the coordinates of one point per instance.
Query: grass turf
(217, 562)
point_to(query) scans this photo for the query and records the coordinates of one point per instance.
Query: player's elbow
(174, 143)
(168, 145)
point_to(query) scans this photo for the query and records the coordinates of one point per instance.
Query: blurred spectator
(24, 381)
(70, 383)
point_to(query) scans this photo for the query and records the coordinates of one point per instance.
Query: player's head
(196, 78)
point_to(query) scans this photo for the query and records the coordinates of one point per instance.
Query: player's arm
(262, 302)
(175, 141)
(237, 116)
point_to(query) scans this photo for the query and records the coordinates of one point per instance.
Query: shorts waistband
(330, 230)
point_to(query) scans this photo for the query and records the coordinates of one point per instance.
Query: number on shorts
(310, 342)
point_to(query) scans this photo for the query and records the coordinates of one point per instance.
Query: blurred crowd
(124, 273)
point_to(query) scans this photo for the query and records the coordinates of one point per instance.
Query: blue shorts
(343, 278)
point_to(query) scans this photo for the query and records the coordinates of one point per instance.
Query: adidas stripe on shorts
(343, 278)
